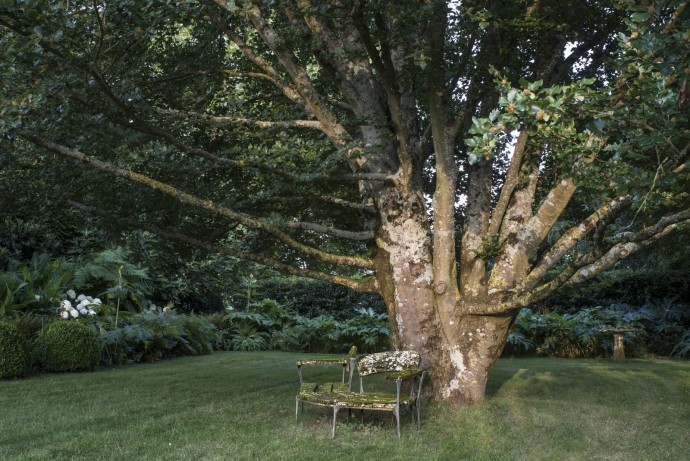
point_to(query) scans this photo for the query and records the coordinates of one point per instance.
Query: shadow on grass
(575, 379)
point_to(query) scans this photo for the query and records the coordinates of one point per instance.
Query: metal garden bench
(399, 365)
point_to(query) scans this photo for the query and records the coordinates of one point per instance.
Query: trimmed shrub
(15, 357)
(29, 324)
(68, 346)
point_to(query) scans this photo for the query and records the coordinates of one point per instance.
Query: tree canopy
(462, 159)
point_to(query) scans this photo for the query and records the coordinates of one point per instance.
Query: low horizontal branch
(649, 232)
(162, 135)
(328, 199)
(208, 205)
(226, 120)
(357, 285)
(345, 234)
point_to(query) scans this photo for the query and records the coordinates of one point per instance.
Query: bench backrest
(386, 362)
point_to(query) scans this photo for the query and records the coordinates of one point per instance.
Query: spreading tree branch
(384, 67)
(208, 205)
(345, 234)
(311, 97)
(599, 38)
(357, 285)
(649, 232)
(511, 182)
(568, 240)
(584, 267)
(270, 72)
(233, 121)
(364, 207)
(538, 227)
(624, 249)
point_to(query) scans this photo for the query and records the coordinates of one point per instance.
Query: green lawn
(240, 406)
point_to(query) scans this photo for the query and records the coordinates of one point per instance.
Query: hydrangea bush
(78, 305)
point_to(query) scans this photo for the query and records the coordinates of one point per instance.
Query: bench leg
(296, 407)
(335, 418)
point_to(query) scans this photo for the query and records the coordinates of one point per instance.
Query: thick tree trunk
(460, 357)
(404, 271)
(460, 365)
(459, 351)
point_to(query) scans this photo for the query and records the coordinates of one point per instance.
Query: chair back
(386, 362)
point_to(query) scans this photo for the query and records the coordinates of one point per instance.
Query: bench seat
(326, 394)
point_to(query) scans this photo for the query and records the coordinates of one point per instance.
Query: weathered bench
(308, 390)
(399, 365)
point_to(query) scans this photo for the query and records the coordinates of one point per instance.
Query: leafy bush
(320, 334)
(15, 358)
(68, 346)
(570, 335)
(368, 330)
(151, 336)
(38, 284)
(268, 325)
(662, 330)
(247, 338)
(682, 349)
(667, 323)
(111, 273)
(29, 324)
(125, 344)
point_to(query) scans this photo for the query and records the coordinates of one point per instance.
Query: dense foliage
(267, 325)
(15, 355)
(131, 328)
(134, 335)
(152, 336)
(312, 298)
(661, 329)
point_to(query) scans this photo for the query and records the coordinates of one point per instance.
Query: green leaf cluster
(268, 325)
(38, 284)
(554, 115)
(153, 336)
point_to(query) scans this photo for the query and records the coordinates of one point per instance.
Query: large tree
(463, 159)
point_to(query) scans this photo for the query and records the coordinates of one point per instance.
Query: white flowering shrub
(78, 305)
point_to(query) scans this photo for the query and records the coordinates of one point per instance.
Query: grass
(240, 406)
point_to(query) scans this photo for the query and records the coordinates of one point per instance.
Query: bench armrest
(325, 361)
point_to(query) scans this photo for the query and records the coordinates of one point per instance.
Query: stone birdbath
(618, 334)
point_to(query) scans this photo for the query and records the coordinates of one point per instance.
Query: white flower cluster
(154, 308)
(84, 305)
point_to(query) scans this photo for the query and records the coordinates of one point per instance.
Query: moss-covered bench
(399, 365)
(308, 390)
